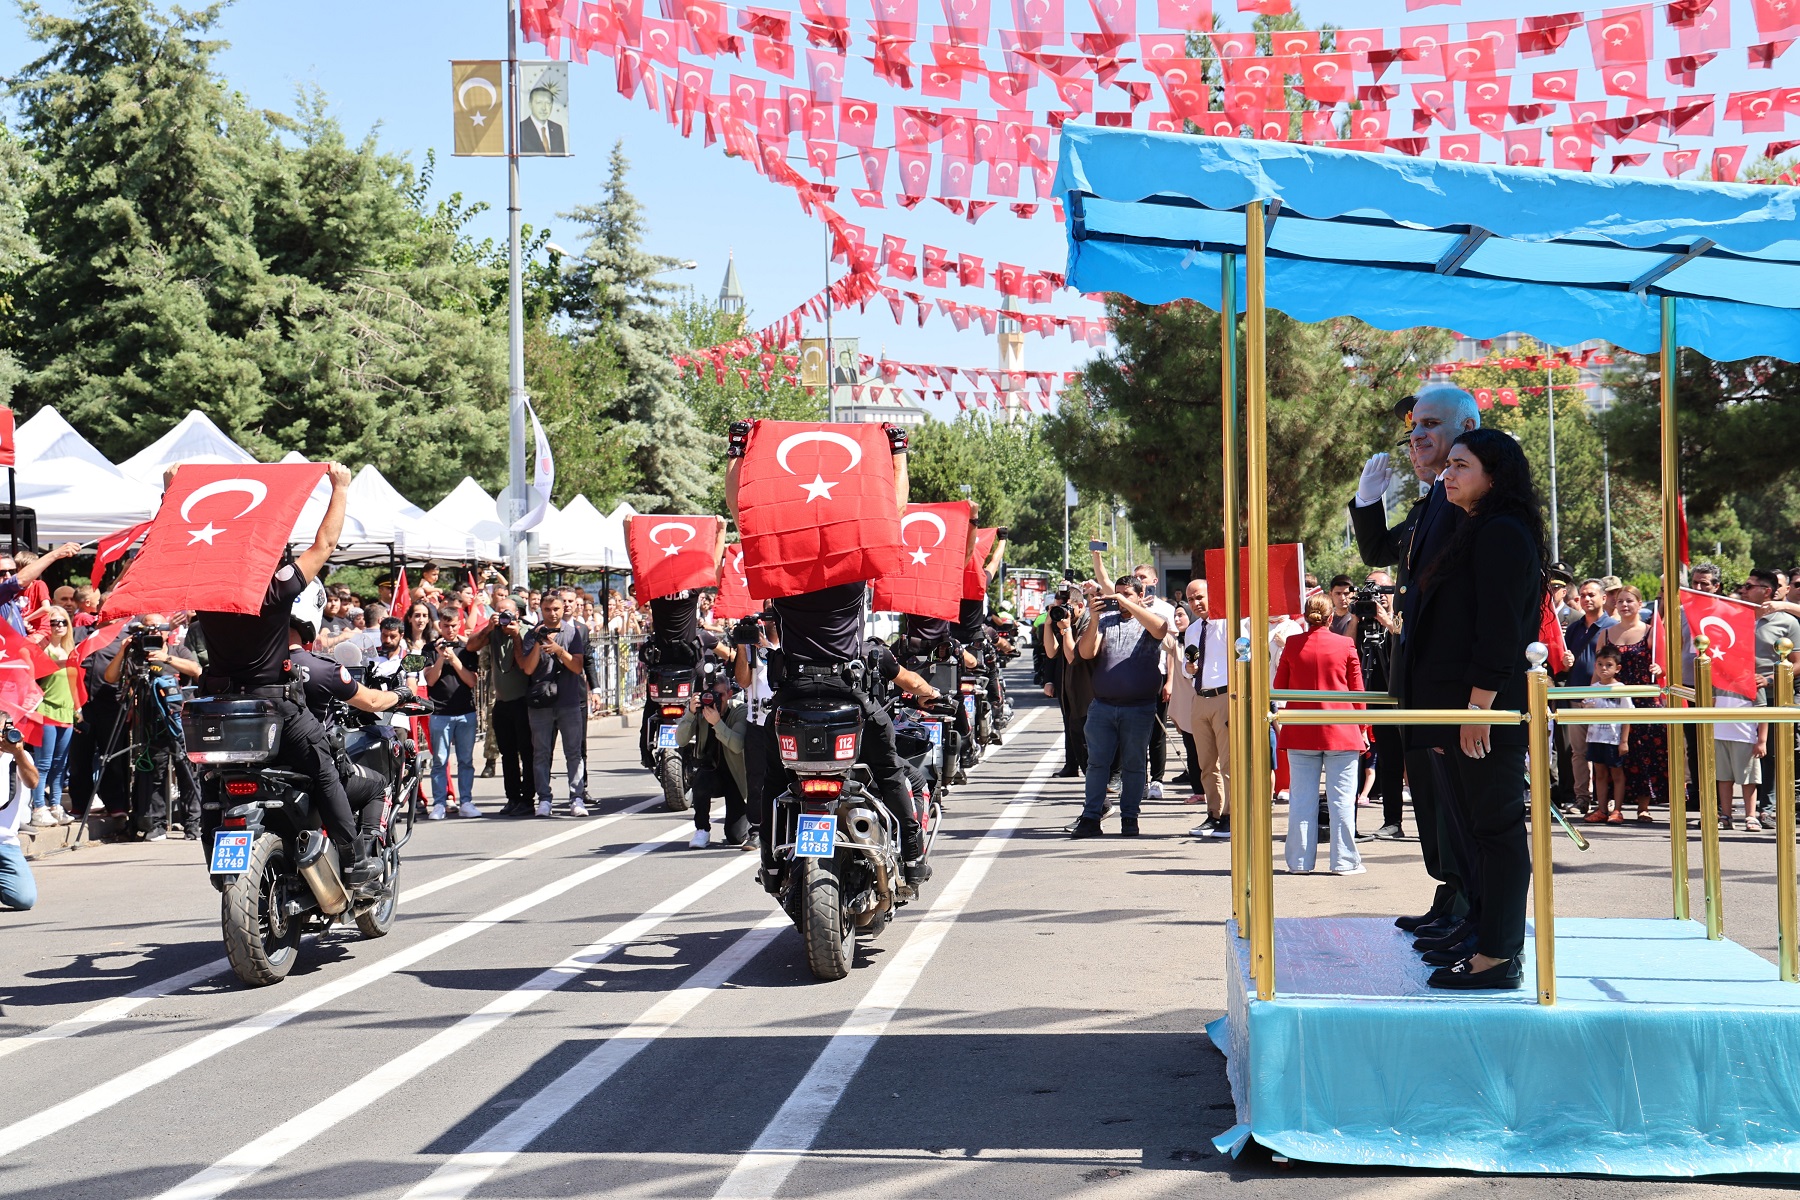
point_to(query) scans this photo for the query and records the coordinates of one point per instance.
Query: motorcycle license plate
(230, 853)
(937, 731)
(969, 707)
(817, 837)
(665, 737)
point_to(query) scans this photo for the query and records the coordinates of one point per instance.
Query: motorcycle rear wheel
(260, 942)
(674, 784)
(829, 934)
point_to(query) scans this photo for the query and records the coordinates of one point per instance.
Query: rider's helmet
(308, 613)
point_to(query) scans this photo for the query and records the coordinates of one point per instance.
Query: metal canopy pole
(1228, 457)
(1781, 734)
(515, 316)
(1671, 614)
(1257, 794)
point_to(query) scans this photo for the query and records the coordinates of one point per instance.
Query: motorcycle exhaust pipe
(318, 865)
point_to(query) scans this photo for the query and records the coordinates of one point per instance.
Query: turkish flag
(672, 554)
(1730, 626)
(734, 589)
(816, 506)
(111, 549)
(215, 541)
(929, 582)
(402, 597)
(1287, 581)
(22, 664)
(975, 577)
(8, 447)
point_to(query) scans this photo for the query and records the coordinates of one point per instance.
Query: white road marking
(787, 1138)
(468, 1170)
(120, 1007)
(243, 1163)
(58, 1117)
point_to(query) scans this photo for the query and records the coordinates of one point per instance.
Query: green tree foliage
(258, 267)
(1010, 472)
(18, 250)
(613, 292)
(1146, 425)
(1739, 452)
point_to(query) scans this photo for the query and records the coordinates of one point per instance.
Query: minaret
(731, 296)
(1011, 339)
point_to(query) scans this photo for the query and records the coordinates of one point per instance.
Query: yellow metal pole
(1257, 791)
(1707, 791)
(1671, 615)
(1240, 822)
(1543, 893)
(1237, 766)
(1787, 919)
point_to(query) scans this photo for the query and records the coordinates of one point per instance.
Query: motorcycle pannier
(819, 738)
(231, 729)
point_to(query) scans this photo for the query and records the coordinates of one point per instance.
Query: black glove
(405, 694)
(896, 437)
(1002, 532)
(737, 439)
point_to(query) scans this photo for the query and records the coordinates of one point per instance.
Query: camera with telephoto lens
(541, 634)
(11, 733)
(709, 699)
(1367, 600)
(748, 631)
(506, 620)
(144, 640)
(1060, 613)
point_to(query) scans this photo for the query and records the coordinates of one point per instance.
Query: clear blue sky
(384, 66)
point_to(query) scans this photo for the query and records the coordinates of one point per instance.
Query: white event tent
(582, 538)
(194, 439)
(472, 510)
(77, 494)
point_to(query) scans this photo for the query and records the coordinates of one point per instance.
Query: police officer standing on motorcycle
(248, 656)
(820, 659)
(675, 640)
(971, 629)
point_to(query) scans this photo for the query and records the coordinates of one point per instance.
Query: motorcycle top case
(231, 729)
(942, 677)
(822, 738)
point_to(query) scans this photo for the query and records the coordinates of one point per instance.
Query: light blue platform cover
(1398, 242)
(1665, 1055)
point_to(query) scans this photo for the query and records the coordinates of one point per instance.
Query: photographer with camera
(499, 641)
(753, 639)
(714, 731)
(551, 655)
(450, 681)
(1124, 642)
(1062, 631)
(1435, 417)
(18, 890)
(145, 674)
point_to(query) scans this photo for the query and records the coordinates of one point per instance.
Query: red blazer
(1320, 661)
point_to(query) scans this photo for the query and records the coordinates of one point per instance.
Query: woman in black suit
(1478, 610)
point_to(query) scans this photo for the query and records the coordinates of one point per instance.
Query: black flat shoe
(1413, 924)
(1463, 976)
(1085, 828)
(1450, 957)
(1461, 932)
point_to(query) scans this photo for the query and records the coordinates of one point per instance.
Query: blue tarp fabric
(1399, 242)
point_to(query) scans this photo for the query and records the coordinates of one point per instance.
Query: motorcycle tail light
(233, 823)
(968, 688)
(813, 789)
(672, 711)
(681, 691)
(845, 748)
(241, 787)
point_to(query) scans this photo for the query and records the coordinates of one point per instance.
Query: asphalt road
(590, 1007)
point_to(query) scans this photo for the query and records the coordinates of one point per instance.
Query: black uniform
(249, 657)
(821, 636)
(323, 680)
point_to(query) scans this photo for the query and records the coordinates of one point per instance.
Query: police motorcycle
(668, 688)
(918, 737)
(279, 875)
(835, 844)
(941, 666)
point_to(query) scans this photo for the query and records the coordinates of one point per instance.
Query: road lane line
(240, 1165)
(58, 1117)
(467, 1170)
(760, 1173)
(120, 1007)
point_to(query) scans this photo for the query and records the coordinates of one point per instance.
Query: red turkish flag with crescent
(816, 507)
(930, 579)
(215, 541)
(22, 664)
(113, 547)
(734, 588)
(672, 554)
(1730, 626)
(975, 577)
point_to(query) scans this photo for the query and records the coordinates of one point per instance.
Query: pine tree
(613, 293)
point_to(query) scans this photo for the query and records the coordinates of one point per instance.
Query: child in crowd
(1607, 744)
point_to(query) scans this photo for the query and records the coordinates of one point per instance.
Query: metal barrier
(1252, 866)
(621, 688)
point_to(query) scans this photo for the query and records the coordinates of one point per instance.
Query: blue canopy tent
(1239, 225)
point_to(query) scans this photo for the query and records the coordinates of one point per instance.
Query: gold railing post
(1782, 734)
(1671, 615)
(1240, 820)
(1707, 791)
(1257, 792)
(1543, 888)
(1236, 681)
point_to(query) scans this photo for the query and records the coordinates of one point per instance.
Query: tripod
(150, 726)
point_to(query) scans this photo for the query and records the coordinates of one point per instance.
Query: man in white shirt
(18, 890)
(1208, 673)
(1159, 745)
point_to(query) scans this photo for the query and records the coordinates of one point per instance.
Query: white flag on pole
(543, 477)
